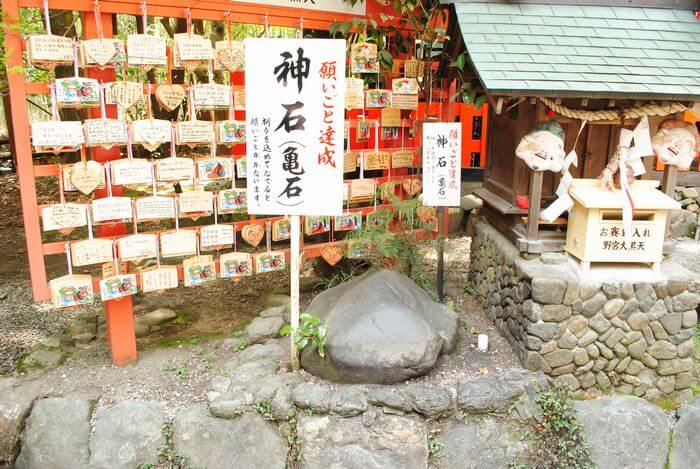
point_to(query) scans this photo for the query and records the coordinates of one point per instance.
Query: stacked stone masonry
(634, 337)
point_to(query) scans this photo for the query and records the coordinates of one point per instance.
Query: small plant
(434, 447)
(167, 456)
(311, 331)
(180, 369)
(238, 346)
(467, 288)
(559, 437)
(289, 428)
(338, 278)
(265, 409)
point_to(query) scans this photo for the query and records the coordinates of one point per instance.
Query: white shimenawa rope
(632, 113)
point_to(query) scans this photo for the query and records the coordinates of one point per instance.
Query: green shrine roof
(545, 49)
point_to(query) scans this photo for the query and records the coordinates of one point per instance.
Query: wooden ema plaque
(66, 215)
(212, 96)
(348, 221)
(196, 202)
(376, 160)
(111, 209)
(349, 162)
(230, 132)
(216, 236)
(210, 169)
(363, 58)
(71, 290)
(91, 251)
(131, 171)
(198, 270)
(151, 133)
(138, 246)
(84, 177)
(77, 92)
(404, 86)
(54, 136)
(146, 49)
(354, 93)
(118, 286)
(405, 101)
(105, 133)
(49, 50)
(155, 208)
(175, 169)
(178, 243)
(236, 264)
(316, 225)
(191, 51)
(125, 94)
(229, 55)
(194, 132)
(232, 201)
(170, 97)
(104, 52)
(281, 229)
(157, 278)
(391, 117)
(377, 98)
(402, 158)
(269, 261)
(362, 188)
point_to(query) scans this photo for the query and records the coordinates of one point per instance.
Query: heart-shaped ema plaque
(412, 186)
(151, 133)
(170, 96)
(332, 254)
(86, 176)
(230, 59)
(126, 93)
(253, 234)
(100, 51)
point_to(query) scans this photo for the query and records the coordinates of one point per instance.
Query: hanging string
(98, 19)
(268, 236)
(216, 212)
(103, 109)
(188, 17)
(133, 216)
(231, 105)
(61, 195)
(153, 180)
(108, 176)
(158, 255)
(144, 17)
(129, 150)
(177, 214)
(233, 172)
(116, 259)
(89, 225)
(362, 165)
(173, 153)
(68, 259)
(54, 108)
(76, 70)
(191, 109)
(47, 20)
(149, 105)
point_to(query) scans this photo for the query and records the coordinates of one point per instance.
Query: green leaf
(285, 330)
(480, 101)
(345, 28)
(302, 342)
(461, 61)
(333, 29)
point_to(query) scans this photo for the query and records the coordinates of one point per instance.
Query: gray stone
(587, 290)
(637, 349)
(634, 367)
(383, 328)
(555, 313)
(40, 358)
(56, 434)
(569, 380)
(278, 300)
(682, 221)
(493, 394)
(548, 291)
(432, 401)
(613, 307)
(599, 324)
(662, 349)
(393, 399)
(685, 349)
(620, 324)
(622, 366)
(543, 330)
(685, 301)
(282, 405)
(682, 336)
(532, 343)
(126, 434)
(631, 306)
(578, 324)
(455, 215)
(603, 380)
(312, 396)
(689, 192)
(247, 441)
(571, 292)
(643, 291)
(587, 338)
(236, 401)
(612, 290)
(562, 370)
(15, 404)
(690, 318)
(274, 312)
(658, 330)
(649, 361)
(614, 338)
(532, 310)
(587, 380)
(552, 258)
(594, 304)
(158, 316)
(548, 347)
(610, 419)
(631, 337)
(592, 351)
(270, 350)
(262, 329)
(141, 329)
(559, 357)
(390, 441)
(348, 402)
(672, 322)
(648, 334)
(638, 321)
(567, 340)
(684, 380)
(479, 443)
(666, 384)
(605, 351)
(580, 357)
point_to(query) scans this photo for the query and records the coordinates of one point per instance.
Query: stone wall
(684, 221)
(634, 335)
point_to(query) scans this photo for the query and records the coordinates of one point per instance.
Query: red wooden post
(119, 314)
(23, 153)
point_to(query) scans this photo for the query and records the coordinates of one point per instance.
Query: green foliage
(340, 277)
(469, 91)
(167, 456)
(559, 437)
(289, 428)
(310, 331)
(264, 409)
(180, 369)
(241, 345)
(468, 288)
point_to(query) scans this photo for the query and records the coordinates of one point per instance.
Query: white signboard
(294, 127)
(336, 6)
(442, 156)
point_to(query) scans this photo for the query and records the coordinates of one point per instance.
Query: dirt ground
(175, 365)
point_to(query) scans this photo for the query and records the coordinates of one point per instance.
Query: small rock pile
(689, 197)
(684, 221)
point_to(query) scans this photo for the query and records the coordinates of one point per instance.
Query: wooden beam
(533, 213)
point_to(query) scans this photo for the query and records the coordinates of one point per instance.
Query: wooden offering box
(595, 232)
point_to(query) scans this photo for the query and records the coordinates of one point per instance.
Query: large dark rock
(383, 329)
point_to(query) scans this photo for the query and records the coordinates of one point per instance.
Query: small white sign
(442, 155)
